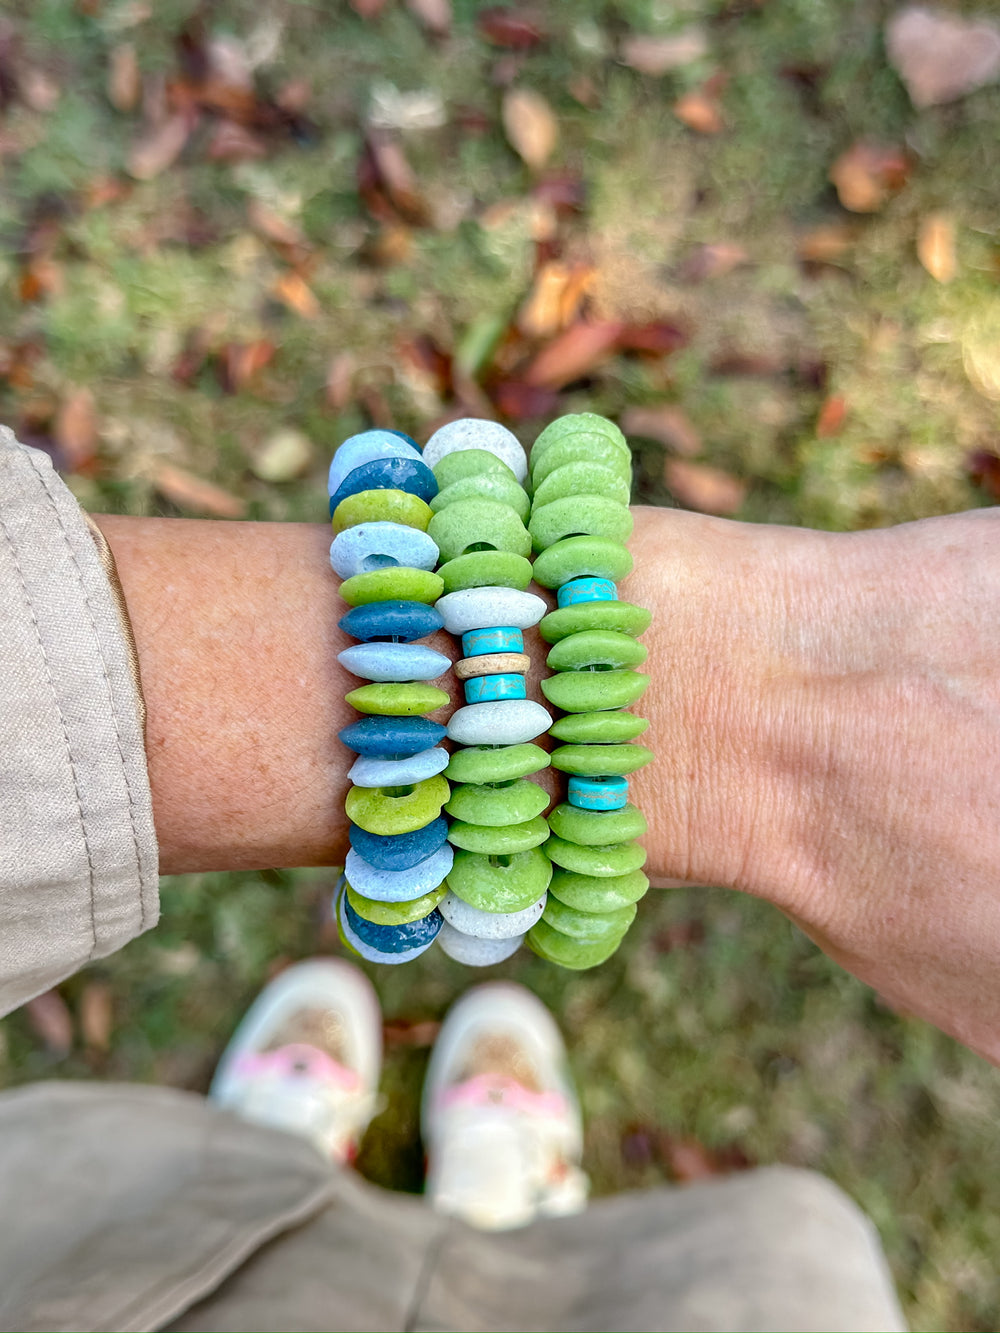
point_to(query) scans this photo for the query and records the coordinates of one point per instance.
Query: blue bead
(587, 589)
(393, 939)
(499, 639)
(368, 771)
(399, 886)
(391, 620)
(610, 793)
(364, 448)
(408, 438)
(381, 474)
(393, 661)
(391, 737)
(486, 689)
(401, 850)
(370, 546)
(370, 952)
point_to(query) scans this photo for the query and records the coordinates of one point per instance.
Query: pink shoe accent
(300, 1060)
(496, 1089)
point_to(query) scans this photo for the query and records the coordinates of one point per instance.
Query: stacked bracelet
(581, 471)
(497, 885)
(394, 874)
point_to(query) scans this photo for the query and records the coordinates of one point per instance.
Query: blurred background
(762, 235)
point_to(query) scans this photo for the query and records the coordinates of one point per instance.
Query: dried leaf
(516, 29)
(936, 246)
(368, 9)
(700, 113)
(427, 364)
(688, 1160)
(295, 292)
(658, 55)
(124, 79)
(575, 353)
(530, 126)
(866, 175)
(96, 1010)
(75, 430)
(340, 380)
(435, 15)
(284, 456)
(668, 425)
(712, 261)
(823, 245)
(707, 489)
(388, 183)
(657, 338)
(239, 363)
(832, 416)
(562, 192)
(231, 142)
(556, 298)
(392, 244)
(271, 225)
(984, 469)
(40, 277)
(406, 1032)
(187, 491)
(49, 1019)
(941, 57)
(158, 148)
(518, 401)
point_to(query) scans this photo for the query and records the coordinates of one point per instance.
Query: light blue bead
(506, 722)
(487, 689)
(500, 639)
(365, 448)
(610, 793)
(394, 661)
(370, 546)
(587, 589)
(369, 772)
(399, 886)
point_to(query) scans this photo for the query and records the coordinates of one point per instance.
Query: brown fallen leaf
(984, 469)
(239, 363)
(832, 416)
(273, 227)
(42, 276)
(435, 15)
(187, 491)
(368, 9)
(158, 148)
(689, 1161)
(340, 380)
(516, 29)
(295, 292)
(387, 182)
(866, 175)
(231, 142)
(124, 87)
(518, 401)
(556, 298)
(574, 354)
(565, 193)
(50, 1020)
(700, 112)
(668, 425)
(530, 126)
(712, 261)
(823, 245)
(707, 489)
(391, 244)
(96, 1011)
(657, 338)
(936, 246)
(75, 430)
(658, 55)
(941, 57)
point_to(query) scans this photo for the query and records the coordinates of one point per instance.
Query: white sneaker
(307, 1057)
(500, 1120)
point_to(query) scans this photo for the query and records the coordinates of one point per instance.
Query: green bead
(596, 648)
(388, 506)
(582, 449)
(397, 699)
(487, 486)
(498, 806)
(555, 947)
(593, 761)
(621, 616)
(397, 583)
(588, 926)
(589, 893)
(597, 828)
(496, 763)
(583, 479)
(619, 858)
(573, 556)
(478, 525)
(609, 726)
(500, 883)
(395, 914)
(486, 569)
(377, 810)
(491, 841)
(577, 423)
(590, 691)
(469, 463)
(579, 516)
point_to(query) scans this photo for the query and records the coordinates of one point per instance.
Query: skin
(825, 711)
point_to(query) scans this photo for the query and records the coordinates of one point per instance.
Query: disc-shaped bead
(506, 722)
(381, 811)
(596, 648)
(577, 423)
(368, 772)
(622, 616)
(598, 793)
(590, 691)
(395, 913)
(402, 850)
(589, 926)
(497, 806)
(487, 486)
(592, 828)
(393, 661)
(393, 939)
(470, 463)
(500, 884)
(555, 947)
(485, 608)
(491, 763)
(382, 507)
(486, 569)
(589, 893)
(492, 664)
(399, 886)
(574, 479)
(391, 737)
(404, 699)
(369, 546)
(391, 620)
(609, 726)
(496, 639)
(596, 760)
(369, 952)
(583, 448)
(487, 689)
(579, 515)
(493, 841)
(586, 590)
(391, 585)
(390, 474)
(475, 952)
(478, 525)
(619, 858)
(474, 433)
(365, 448)
(573, 556)
(489, 925)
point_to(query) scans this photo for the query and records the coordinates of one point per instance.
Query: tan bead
(493, 664)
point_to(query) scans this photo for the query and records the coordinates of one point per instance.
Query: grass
(717, 1022)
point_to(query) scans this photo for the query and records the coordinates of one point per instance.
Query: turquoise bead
(586, 590)
(499, 639)
(486, 689)
(604, 793)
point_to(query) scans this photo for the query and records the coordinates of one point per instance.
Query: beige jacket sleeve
(78, 856)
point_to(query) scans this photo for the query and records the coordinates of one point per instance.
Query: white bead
(489, 925)
(370, 546)
(366, 448)
(399, 886)
(503, 722)
(393, 661)
(475, 952)
(481, 608)
(474, 433)
(367, 771)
